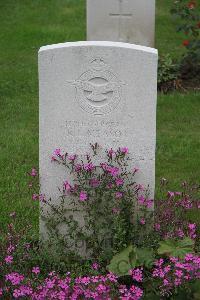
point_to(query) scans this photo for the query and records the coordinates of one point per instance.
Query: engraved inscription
(115, 134)
(80, 133)
(95, 129)
(98, 90)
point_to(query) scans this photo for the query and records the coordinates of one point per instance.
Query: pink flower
(177, 282)
(159, 262)
(149, 203)
(180, 233)
(36, 270)
(141, 200)
(42, 197)
(78, 168)
(66, 186)
(178, 193)
(124, 150)
(9, 259)
(22, 291)
(192, 230)
(137, 274)
(146, 202)
(94, 182)
(89, 167)
(72, 157)
(83, 196)
(15, 278)
(119, 181)
(110, 185)
(104, 166)
(136, 293)
(179, 273)
(10, 249)
(1, 292)
(114, 171)
(142, 221)
(140, 187)
(95, 266)
(57, 152)
(166, 282)
(170, 194)
(157, 227)
(111, 152)
(33, 172)
(118, 195)
(35, 197)
(173, 259)
(192, 226)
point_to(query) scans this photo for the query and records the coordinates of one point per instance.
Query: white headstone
(130, 21)
(102, 92)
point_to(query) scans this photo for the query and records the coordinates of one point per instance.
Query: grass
(27, 25)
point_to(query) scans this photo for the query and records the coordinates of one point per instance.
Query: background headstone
(102, 92)
(130, 21)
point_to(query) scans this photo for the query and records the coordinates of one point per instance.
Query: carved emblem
(98, 90)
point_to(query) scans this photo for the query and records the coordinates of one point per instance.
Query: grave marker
(102, 92)
(131, 21)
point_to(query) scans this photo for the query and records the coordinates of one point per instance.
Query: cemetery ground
(25, 26)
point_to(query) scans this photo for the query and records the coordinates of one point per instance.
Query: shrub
(188, 15)
(168, 74)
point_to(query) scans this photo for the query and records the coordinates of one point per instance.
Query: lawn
(27, 25)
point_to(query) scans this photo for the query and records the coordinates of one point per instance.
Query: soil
(191, 84)
(181, 85)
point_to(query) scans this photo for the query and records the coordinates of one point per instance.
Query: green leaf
(123, 262)
(145, 257)
(176, 248)
(130, 258)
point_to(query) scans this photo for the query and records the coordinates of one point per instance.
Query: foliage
(176, 248)
(130, 258)
(23, 277)
(123, 262)
(148, 260)
(188, 15)
(101, 190)
(160, 258)
(26, 26)
(167, 74)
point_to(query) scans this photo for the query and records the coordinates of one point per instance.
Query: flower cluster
(137, 274)
(67, 287)
(175, 272)
(107, 191)
(171, 219)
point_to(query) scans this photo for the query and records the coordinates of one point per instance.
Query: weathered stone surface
(130, 21)
(102, 92)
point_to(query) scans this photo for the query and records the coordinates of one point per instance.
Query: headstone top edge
(99, 43)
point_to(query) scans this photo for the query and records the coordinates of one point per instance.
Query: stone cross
(121, 16)
(131, 21)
